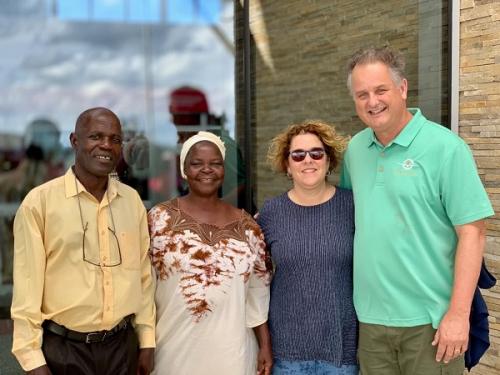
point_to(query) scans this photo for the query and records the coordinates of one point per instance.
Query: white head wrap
(199, 137)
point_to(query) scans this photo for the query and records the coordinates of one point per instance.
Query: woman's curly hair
(334, 143)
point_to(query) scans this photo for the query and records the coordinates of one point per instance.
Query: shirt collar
(407, 135)
(114, 187)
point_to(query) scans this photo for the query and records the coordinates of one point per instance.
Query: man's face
(98, 144)
(380, 102)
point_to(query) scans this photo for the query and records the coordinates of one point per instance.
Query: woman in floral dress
(212, 293)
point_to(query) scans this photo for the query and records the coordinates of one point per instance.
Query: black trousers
(115, 356)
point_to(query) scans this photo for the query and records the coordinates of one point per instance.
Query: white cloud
(65, 69)
(61, 68)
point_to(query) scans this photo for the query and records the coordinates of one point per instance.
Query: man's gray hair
(385, 55)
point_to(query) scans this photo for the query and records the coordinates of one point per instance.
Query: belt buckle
(99, 337)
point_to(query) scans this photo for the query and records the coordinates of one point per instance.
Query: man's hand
(264, 361)
(452, 336)
(145, 362)
(42, 370)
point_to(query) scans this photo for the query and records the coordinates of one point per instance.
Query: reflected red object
(188, 105)
(155, 184)
(10, 159)
(186, 100)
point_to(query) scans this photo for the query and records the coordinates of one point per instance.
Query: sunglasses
(314, 153)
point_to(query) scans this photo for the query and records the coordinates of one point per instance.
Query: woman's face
(204, 168)
(312, 169)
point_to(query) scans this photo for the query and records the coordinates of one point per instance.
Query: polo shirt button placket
(380, 178)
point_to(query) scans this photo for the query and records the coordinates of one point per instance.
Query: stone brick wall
(479, 125)
(300, 49)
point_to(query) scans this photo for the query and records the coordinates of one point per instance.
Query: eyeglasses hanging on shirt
(115, 260)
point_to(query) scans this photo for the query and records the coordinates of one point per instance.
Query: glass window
(166, 68)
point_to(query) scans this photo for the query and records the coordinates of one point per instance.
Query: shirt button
(102, 233)
(104, 259)
(382, 154)
(381, 168)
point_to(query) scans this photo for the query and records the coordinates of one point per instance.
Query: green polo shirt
(408, 196)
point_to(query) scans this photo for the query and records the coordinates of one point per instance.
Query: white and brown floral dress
(212, 287)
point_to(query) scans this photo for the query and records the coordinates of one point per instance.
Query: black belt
(86, 337)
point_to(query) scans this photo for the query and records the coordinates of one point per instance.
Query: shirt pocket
(131, 251)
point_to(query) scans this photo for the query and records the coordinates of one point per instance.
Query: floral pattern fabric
(212, 288)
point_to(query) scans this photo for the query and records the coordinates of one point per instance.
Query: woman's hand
(264, 361)
(265, 356)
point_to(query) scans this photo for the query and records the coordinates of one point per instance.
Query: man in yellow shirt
(83, 289)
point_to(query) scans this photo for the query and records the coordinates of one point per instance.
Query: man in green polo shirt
(420, 231)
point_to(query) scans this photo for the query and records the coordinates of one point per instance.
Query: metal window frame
(247, 145)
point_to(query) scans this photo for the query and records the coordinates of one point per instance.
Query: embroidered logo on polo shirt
(408, 164)
(408, 167)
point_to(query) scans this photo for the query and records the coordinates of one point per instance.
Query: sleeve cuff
(256, 323)
(31, 359)
(257, 306)
(146, 338)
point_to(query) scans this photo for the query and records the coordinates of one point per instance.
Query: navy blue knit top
(311, 314)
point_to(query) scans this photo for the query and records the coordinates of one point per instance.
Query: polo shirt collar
(407, 135)
(114, 187)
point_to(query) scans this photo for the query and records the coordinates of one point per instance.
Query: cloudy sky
(60, 57)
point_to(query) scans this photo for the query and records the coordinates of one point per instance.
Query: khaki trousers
(402, 351)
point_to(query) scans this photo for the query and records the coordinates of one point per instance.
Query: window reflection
(63, 56)
(40, 159)
(190, 113)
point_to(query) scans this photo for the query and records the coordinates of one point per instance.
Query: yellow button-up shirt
(52, 281)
